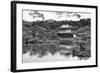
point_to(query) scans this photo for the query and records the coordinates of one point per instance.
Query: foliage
(41, 38)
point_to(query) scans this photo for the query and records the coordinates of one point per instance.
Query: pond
(48, 58)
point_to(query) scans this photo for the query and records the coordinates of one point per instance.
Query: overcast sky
(58, 16)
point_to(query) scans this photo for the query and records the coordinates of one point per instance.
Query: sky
(35, 15)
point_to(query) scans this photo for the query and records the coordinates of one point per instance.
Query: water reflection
(48, 58)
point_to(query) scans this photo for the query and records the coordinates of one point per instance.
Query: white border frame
(21, 66)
